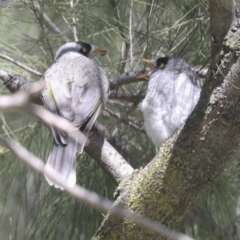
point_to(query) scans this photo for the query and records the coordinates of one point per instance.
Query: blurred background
(31, 31)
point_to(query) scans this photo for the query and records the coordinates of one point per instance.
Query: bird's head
(84, 48)
(154, 64)
(91, 51)
(157, 63)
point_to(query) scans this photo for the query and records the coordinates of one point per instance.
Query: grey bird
(76, 88)
(173, 92)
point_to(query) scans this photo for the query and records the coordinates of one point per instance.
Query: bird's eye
(84, 50)
(162, 65)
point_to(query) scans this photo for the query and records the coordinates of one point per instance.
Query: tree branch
(125, 78)
(132, 98)
(74, 23)
(20, 100)
(20, 65)
(107, 157)
(51, 23)
(123, 119)
(120, 27)
(38, 17)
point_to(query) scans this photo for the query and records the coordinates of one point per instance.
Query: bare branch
(16, 82)
(133, 98)
(74, 23)
(3, 56)
(20, 100)
(183, 43)
(125, 78)
(38, 17)
(100, 150)
(115, 143)
(130, 35)
(120, 27)
(90, 198)
(123, 119)
(131, 77)
(127, 113)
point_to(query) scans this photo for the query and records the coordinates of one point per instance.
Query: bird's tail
(62, 159)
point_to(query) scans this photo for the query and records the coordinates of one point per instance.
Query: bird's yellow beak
(149, 63)
(100, 51)
(144, 76)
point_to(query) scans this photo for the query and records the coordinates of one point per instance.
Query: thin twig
(38, 16)
(66, 21)
(90, 198)
(125, 78)
(183, 43)
(74, 23)
(3, 56)
(123, 119)
(201, 221)
(127, 113)
(20, 101)
(132, 98)
(120, 27)
(51, 23)
(119, 147)
(130, 35)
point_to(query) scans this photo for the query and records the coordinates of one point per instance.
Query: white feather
(170, 99)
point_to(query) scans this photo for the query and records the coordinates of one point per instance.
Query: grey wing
(75, 103)
(79, 104)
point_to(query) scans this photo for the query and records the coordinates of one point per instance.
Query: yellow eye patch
(162, 65)
(84, 50)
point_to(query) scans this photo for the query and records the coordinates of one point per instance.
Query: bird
(76, 88)
(173, 91)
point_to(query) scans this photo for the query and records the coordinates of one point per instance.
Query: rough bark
(189, 163)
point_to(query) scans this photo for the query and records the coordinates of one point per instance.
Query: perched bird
(76, 88)
(173, 92)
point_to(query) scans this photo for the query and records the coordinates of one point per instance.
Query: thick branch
(107, 157)
(125, 78)
(131, 77)
(132, 98)
(15, 83)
